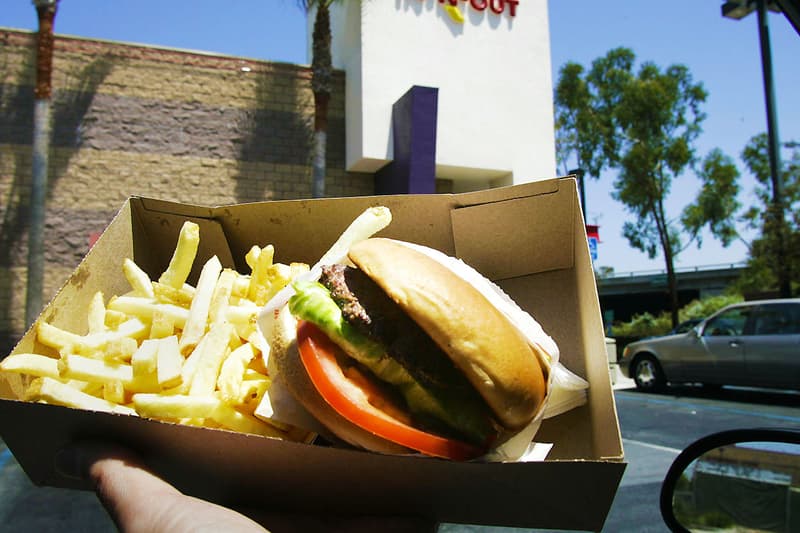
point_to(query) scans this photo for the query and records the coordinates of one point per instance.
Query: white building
(489, 60)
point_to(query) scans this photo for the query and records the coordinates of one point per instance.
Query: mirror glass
(746, 487)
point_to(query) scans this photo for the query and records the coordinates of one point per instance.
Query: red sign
(495, 6)
(593, 236)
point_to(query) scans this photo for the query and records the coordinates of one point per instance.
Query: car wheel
(647, 374)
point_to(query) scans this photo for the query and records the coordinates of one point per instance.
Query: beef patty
(366, 307)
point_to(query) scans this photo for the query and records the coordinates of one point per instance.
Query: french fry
(162, 325)
(114, 391)
(166, 294)
(240, 286)
(183, 257)
(189, 354)
(210, 359)
(259, 342)
(31, 364)
(52, 391)
(251, 257)
(37, 365)
(195, 325)
(259, 279)
(244, 312)
(97, 314)
(89, 387)
(169, 362)
(364, 226)
(72, 366)
(231, 374)
(137, 279)
(145, 360)
(143, 308)
(229, 418)
(221, 296)
(189, 368)
(120, 349)
(59, 339)
(243, 317)
(55, 337)
(176, 407)
(251, 391)
(115, 318)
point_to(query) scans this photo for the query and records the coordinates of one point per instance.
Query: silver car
(751, 344)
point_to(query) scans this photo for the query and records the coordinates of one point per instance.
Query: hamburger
(402, 349)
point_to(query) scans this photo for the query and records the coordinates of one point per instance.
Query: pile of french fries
(166, 349)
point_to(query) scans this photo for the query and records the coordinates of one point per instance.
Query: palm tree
(321, 76)
(46, 12)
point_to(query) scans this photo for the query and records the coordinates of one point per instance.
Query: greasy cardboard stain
(79, 277)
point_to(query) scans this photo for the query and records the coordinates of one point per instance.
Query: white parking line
(653, 446)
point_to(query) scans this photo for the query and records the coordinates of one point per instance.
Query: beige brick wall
(135, 120)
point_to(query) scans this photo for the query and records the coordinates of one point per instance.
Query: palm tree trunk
(320, 144)
(321, 74)
(46, 11)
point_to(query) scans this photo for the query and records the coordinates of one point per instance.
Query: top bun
(484, 345)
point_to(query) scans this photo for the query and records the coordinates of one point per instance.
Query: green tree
(584, 117)
(643, 125)
(321, 86)
(765, 272)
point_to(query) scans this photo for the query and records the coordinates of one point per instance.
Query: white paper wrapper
(565, 390)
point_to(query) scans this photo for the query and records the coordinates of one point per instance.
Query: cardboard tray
(529, 238)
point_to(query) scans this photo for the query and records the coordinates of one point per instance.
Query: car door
(723, 339)
(772, 352)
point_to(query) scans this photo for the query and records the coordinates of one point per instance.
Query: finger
(139, 501)
(124, 486)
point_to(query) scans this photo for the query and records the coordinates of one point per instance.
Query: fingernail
(71, 463)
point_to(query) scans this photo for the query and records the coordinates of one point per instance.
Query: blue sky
(722, 54)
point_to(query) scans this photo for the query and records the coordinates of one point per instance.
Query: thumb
(138, 500)
(123, 484)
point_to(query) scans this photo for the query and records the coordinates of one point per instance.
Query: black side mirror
(740, 480)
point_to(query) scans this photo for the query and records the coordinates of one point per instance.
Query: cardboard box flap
(481, 235)
(156, 228)
(523, 190)
(419, 218)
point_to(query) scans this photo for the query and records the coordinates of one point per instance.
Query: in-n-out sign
(495, 6)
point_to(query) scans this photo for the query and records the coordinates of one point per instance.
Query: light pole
(737, 10)
(46, 11)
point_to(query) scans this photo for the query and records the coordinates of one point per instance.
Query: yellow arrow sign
(454, 13)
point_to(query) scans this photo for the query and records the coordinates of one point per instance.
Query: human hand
(139, 501)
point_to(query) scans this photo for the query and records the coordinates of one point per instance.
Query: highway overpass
(625, 294)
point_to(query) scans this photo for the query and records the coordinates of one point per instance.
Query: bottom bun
(292, 371)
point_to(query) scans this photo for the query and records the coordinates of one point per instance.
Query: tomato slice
(363, 404)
